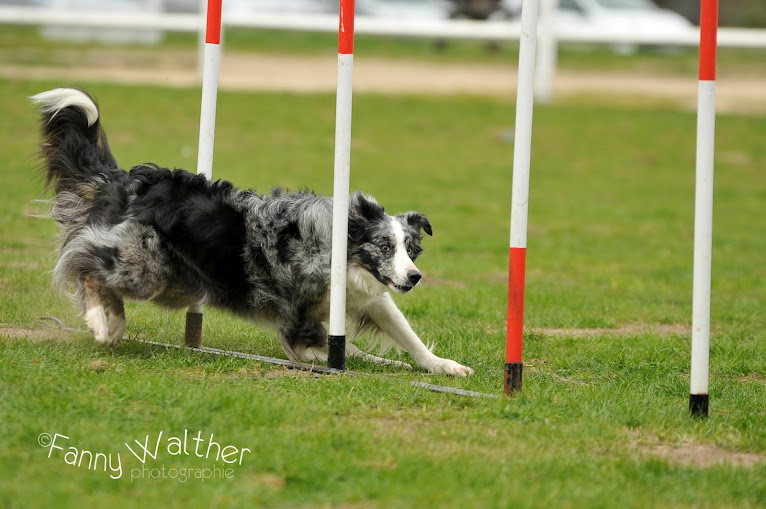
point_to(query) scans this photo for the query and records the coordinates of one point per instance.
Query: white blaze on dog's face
(386, 246)
(405, 274)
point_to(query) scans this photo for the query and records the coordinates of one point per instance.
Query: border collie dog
(177, 239)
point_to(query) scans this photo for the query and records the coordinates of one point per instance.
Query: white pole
(207, 114)
(211, 63)
(703, 212)
(547, 51)
(338, 270)
(212, 59)
(520, 197)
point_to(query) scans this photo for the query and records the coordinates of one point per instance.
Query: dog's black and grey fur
(177, 239)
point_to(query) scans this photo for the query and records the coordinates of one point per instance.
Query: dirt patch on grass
(271, 481)
(387, 464)
(34, 334)
(99, 366)
(317, 73)
(663, 329)
(704, 456)
(538, 366)
(247, 373)
(36, 266)
(692, 454)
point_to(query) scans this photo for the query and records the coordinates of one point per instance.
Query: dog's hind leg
(288, 347)
(304, 340)
(95, 315)
(311, 353)
(114, 308)
(319, 354)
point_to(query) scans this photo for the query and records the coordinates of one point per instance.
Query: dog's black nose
(413, 276)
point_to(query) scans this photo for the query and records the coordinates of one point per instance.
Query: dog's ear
(362, 210)
(417, 220)
(365, 207)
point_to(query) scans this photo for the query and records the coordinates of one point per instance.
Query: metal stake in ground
(211, 63)
(338, 269)
(703, 211)
(520, 197)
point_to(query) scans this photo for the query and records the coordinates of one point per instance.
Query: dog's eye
(386, 248)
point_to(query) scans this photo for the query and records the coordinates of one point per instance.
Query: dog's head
(386, 246)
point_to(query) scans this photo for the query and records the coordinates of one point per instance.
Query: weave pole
(336, 341)
(703, 211)
(211, 64)
(520, 197)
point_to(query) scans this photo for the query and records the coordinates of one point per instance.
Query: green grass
(610, 243)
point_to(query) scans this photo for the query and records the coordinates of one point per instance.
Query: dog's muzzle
(413, 278)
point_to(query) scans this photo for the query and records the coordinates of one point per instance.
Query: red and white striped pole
(211, 64)
(520, 197)
(338, 269)
(703, 211)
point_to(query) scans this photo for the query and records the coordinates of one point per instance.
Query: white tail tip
(53, 101)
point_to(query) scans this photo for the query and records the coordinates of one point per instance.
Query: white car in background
(404, 9)
(391, 9)
(629, 17)
(289, 6)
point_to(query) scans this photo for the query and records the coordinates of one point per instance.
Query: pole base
(698, 405)
(193, 334)
(513, 373)
(336, 352)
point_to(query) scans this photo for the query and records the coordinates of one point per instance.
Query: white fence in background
(433, 29)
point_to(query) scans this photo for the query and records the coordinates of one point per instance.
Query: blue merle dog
(176, 239)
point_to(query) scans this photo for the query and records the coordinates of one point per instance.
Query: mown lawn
(602, 420)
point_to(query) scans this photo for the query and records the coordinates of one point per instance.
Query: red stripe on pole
(708, 37)
(514, 335)
(213, 33)
(346, 28)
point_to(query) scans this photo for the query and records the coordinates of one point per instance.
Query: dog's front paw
(398, 364)
(448, 367)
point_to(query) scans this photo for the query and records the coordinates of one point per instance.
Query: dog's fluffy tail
(74, 146)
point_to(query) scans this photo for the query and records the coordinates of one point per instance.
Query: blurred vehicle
(480, 9)
(630, 16)
(105, 35)
(26, 3)
(292, 6)
(625, 16)
(404, 9)
(393, 9)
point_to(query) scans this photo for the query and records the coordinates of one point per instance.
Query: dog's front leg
(391, 321)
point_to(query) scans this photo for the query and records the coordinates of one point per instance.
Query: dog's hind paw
(96, 320)
(311, 354)
(116, 325)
